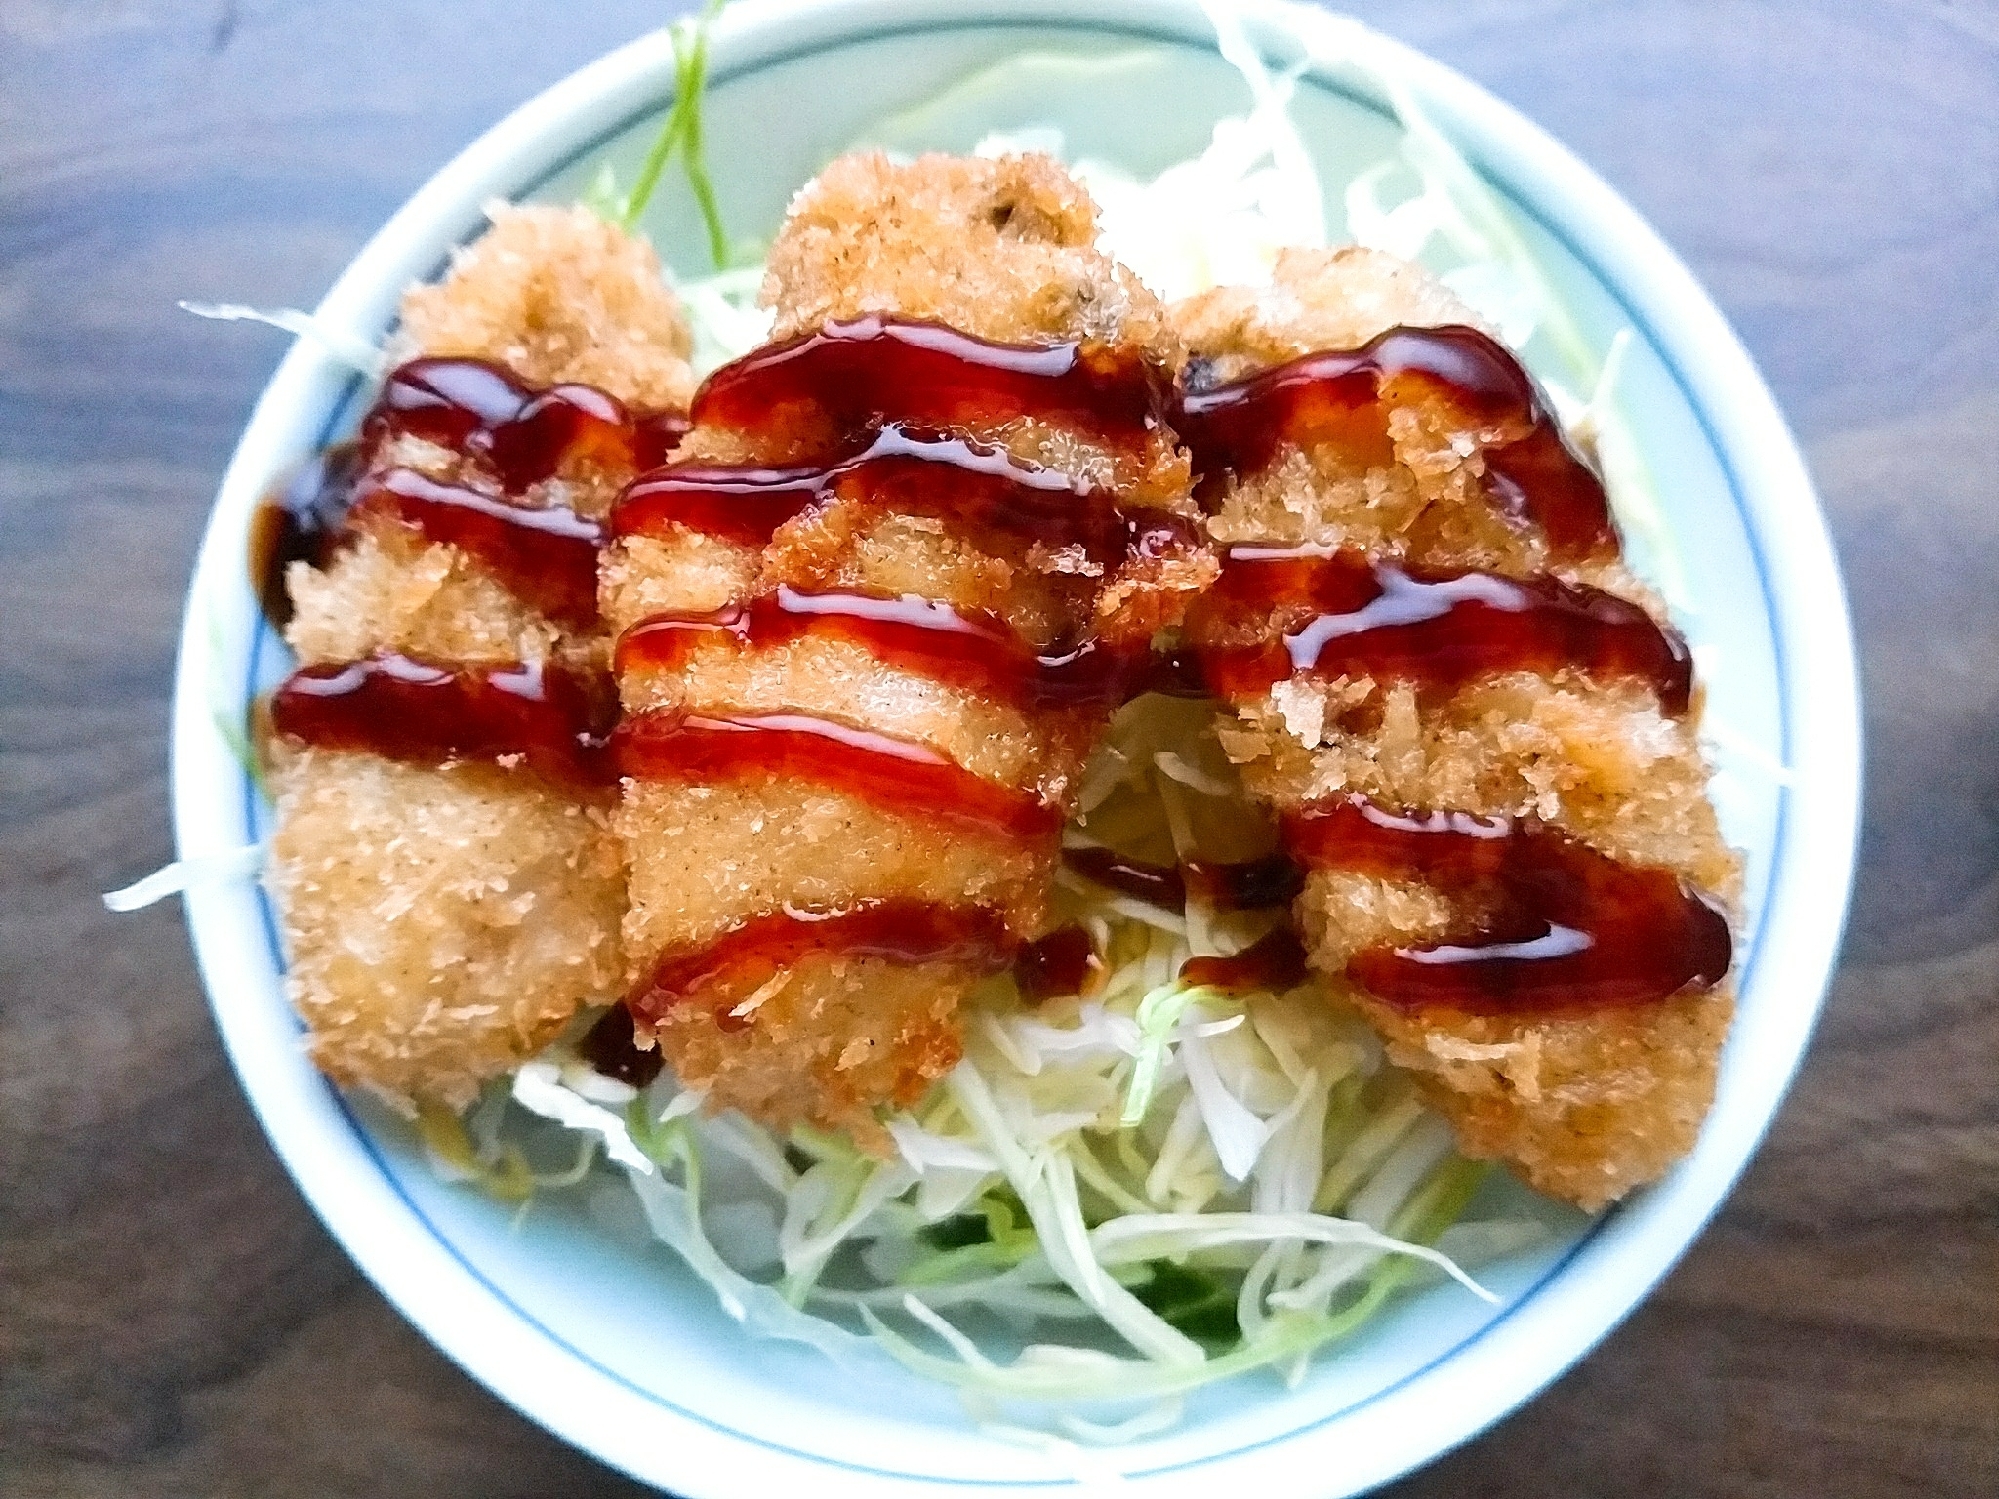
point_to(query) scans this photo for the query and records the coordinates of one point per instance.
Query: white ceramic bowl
(601, 1337)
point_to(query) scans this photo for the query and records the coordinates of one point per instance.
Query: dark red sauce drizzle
(547, 557)
(1274, 964)
(897, 930)
(911, 472)
(429, 714)
(1340, 396)
(523, 434)
(1567, 927)
(520, 434)
(878, 369)
(1062, 963)
(1156, 884)
(895, 774)
(655, 436)
(611, 1050)
(962, 648)
(1355, 616)
(1251, 885)
(301, 522)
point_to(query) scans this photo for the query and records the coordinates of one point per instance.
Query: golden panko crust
(705, 859)
(1315, 299)
(558, 295)
(1600, 763)
(443, 925)
(1002, 248)
(829, 1041)
(390, 591)
(1585, 1106)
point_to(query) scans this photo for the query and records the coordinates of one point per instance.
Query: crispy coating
(835, 1036)
(558, 295)
(1315, 299)
(1427, 503)
(855, 545)
(1002, 250)
(830, 1041)
(772, 844)
(834, 678)
(390, 591)
(1600, 763)
(443, 924)
(686, 573)
(1585, 1106)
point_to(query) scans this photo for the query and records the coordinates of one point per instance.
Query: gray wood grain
(172, 1319)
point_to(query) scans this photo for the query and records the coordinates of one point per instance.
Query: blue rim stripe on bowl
(342, 415)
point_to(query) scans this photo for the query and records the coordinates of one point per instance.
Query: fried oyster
(805, 915)
(1600, 766)
(446, 913)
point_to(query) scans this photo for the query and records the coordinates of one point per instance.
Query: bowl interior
(572, 1311)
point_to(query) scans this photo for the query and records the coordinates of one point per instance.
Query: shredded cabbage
(226, 868)
(363, 357)
(1114, 1199)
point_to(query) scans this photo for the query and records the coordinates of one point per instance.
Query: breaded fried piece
(559, 296)
(1601, 762)
(1002, 250)
(853, 1034)
(391, 590)
(1584, 1106)
(766, 845)
(443, 923)
(1588, 1105)
(832, 678)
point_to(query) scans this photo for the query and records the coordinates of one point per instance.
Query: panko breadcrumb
(1585, 1106)
(560, 296)
(1429, 504)
(1003, 248)
(444, 924)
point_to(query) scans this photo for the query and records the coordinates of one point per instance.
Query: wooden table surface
(173, 1321)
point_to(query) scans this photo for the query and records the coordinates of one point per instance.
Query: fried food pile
(758, 709)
